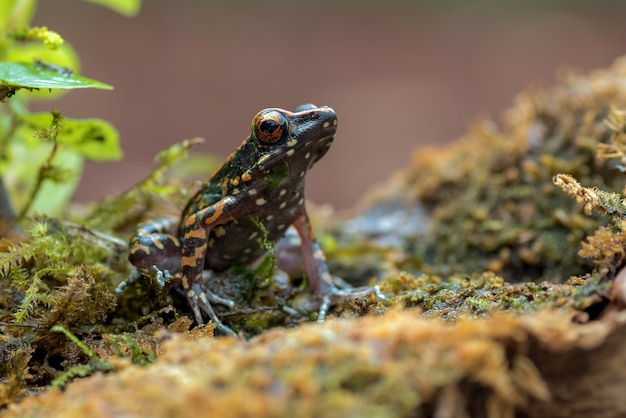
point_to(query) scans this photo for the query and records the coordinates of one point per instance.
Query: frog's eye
(269, 127)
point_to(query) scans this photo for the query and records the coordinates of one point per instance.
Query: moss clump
(606, 247)
(489, 197)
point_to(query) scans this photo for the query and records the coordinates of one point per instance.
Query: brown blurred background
(398, 73)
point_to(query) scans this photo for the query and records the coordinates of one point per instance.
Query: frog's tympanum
(261, 182)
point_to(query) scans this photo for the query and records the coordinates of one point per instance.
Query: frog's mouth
(320, 148)
(305, 156)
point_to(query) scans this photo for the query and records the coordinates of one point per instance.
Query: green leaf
(43, 76)
(124, 7)
(64, 56)
(94, 139)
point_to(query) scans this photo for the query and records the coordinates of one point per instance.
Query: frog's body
(260, 182)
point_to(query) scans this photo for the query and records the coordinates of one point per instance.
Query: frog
(260, 184)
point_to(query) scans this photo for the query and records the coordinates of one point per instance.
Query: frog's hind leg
(156, 244)
(154, 249)
(195, 233)
(320, 279)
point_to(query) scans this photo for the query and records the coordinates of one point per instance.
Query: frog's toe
(200, 301)
(157, 276)
(365, 291)
(337, 295)
(324, 306)
(134, 276)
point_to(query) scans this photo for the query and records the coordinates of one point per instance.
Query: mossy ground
(492, 276)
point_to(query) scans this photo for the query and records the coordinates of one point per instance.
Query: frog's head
(299, 138)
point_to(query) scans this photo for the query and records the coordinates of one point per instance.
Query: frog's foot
(157, 275)
(200, 301)
(336, 295)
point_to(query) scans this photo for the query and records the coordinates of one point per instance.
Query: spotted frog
(261, 182)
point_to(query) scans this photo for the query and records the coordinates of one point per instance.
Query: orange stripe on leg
(218, 209)
(188, 261)
(198, 233)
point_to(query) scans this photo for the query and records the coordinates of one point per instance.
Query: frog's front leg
(195, 232)
(319, 277)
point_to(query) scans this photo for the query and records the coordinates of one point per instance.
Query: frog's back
(219, 185)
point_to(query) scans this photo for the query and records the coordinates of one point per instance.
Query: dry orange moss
(398, 364)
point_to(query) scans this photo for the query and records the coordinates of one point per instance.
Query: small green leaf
(43, 76)
(94, 139)
(124, 7)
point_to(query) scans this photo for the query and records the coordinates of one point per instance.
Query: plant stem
(7, 216)
(41, 176)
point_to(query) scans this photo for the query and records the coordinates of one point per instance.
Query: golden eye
(269, 126)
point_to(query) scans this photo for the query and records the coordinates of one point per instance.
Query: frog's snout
(325, 112)
(330, 118)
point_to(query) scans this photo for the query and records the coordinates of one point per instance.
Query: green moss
(79, 370)
(48, 278)
(485, 294)
(489, 197)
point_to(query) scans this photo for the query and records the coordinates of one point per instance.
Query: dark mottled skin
(263, 178)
